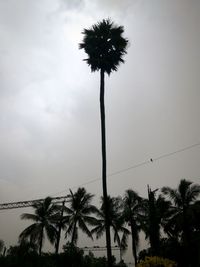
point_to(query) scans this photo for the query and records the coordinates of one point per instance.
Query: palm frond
(84, 228)
(28, 216)
(105, 46)
(51, 233)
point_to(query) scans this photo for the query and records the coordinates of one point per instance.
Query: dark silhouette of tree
(154, 219)
(1, 246)
(156, 212)
(105, 47)
(182, 219)
(116, 221)
(23, 249)
(133, 215)
(79, 214)
(43, 222)
(59, 222)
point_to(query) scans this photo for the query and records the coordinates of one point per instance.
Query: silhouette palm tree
(105, 47)
(183, 212)
(133, 213)
(116, 222)
(156, 211)
(59, 222)
(43, 222)
(79, 214)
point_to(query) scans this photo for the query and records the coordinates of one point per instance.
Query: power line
(151, 160)
(21, 204)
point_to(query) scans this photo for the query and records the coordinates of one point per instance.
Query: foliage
(44, 213)
(156, 210)
(184, 220)
(183, 209)
(183, 206)
(105, 46)
(72, 257)
(1, 246)
(79, 214)
(156, 262)
(116, 222)
(132, 214)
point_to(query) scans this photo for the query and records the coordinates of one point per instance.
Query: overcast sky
(49, 99)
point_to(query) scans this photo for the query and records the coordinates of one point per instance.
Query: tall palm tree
(116, 221)
(132, 213)
(44, 212)
(105, 47)
(79, 214)
(182, 217)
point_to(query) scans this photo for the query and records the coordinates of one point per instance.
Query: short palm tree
(44, 211)
(183, 212)
(116, 222)
(59, 222)
(156, 211)
(79, 214)
(105, 47)
(132, 213)
(183, 202)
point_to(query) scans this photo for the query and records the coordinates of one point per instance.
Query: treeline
(170, 219)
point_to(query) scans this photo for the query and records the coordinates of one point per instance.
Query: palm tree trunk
(59, 229)
(73, 234)
(41, 241)
(120, 253)
(154, 228)
(104, 183)
(134, 249)
(186, 239)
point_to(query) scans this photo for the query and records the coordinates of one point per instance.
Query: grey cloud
(75, 4)
(49, 99)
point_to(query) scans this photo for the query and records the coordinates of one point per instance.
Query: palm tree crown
(43, 222)
(116, 221)
(183, 215)
(183, 203)
(184, 195)
(105, 46)
(78, 214)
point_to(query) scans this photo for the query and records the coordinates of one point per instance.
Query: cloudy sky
(49, 99)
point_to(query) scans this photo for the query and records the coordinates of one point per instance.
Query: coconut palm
(183, 214)
(156, 212)
(183, 202)
(105, 47)
(59, 221)
(116, 221)
(133, 213)
(44, 211)
(79, 214)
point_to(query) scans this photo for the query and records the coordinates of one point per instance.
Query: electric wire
(151, 160)
(137, 165)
